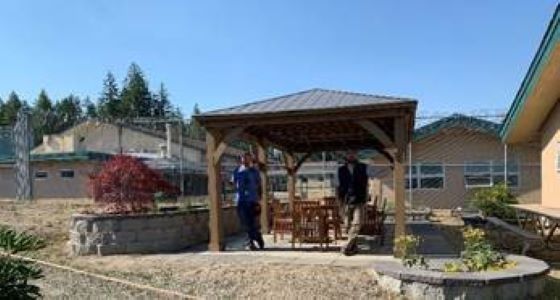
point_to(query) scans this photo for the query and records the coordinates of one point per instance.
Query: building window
(425, 176)
(489, 173)
(41, 174)
(67, 173)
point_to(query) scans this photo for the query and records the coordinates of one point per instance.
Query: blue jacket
(247, 182)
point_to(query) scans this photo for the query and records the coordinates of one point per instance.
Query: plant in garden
(15, 273)
(479, 255)
(495, 201)
(126, 185)
(406, 248)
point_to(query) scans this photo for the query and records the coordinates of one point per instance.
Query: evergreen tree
(43, 117)
(68, 112)
(195, 130)
(89, 108)
(163, 108)
(11, 108)
(135, 95)
(109, 106)
(2, 121)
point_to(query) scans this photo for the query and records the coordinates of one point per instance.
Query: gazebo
(300, 124)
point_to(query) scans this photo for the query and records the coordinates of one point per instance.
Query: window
(41, 174)
(486, 174)
(425, 176)
(67, 173)
(478, 174)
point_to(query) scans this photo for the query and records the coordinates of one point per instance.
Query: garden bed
(525, 280)
(105, 234)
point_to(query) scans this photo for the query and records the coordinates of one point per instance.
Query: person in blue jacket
(247, 182)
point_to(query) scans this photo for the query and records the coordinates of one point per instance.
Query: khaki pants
(353, 214)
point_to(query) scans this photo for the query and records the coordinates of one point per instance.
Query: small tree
(15, 273)
(126, 185)
(495, 201)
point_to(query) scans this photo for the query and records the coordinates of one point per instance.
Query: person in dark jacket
(353, 192)
(247, 182)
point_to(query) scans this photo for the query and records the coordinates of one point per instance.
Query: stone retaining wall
(524, 281)
(144, 233)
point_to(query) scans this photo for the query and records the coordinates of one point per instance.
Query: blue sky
(450, 55)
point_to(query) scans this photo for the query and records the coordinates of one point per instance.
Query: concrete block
(123, 237)
(82, 226)
(105, 226)
(110, 249)
(141, 248)
(135, 224)
(149, 235)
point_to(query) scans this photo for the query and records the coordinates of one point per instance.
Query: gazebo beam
(377, 132)
(263, 168)
(228, 137)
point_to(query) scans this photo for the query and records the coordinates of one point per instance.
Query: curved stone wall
(144, 233)
(524, 281)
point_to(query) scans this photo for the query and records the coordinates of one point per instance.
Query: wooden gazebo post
(215, 205)
(263, 168)
(216, 144)
(398, 176)
(289, 161)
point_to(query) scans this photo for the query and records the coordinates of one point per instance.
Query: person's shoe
(250, 246)
(260, 242)
(350, 251)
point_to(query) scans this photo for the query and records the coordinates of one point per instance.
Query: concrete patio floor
(434, 244)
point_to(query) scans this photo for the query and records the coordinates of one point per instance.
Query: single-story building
(61, 164)
(54, 175)
(454, 156)
(534, 116)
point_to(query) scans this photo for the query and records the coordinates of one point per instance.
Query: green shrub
(15, 273)
(495, 201)
(479, 254)
(405, 248)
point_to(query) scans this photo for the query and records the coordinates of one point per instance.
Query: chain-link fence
(448, 160)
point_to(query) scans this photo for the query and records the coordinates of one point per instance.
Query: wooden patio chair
(334, 220)
(309, 223)
(282, 220)
(374, 219)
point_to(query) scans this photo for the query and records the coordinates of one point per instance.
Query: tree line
(133, 100)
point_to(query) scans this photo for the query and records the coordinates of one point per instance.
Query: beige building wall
(54, 186)
(453, 148)
(7, 182)
(550, 147)
(104, 137)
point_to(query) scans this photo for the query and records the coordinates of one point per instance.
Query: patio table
(539, 216)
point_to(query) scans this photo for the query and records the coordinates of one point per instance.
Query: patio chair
(309, 224)
(282, 220)
(374, 218)
(334, 220)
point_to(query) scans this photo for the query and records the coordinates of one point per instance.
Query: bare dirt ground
(205, 276)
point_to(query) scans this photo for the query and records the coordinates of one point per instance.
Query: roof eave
(550, 38)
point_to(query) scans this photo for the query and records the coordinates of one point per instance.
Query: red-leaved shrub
(127, 185)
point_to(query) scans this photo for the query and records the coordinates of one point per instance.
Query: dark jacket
(353, 187)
